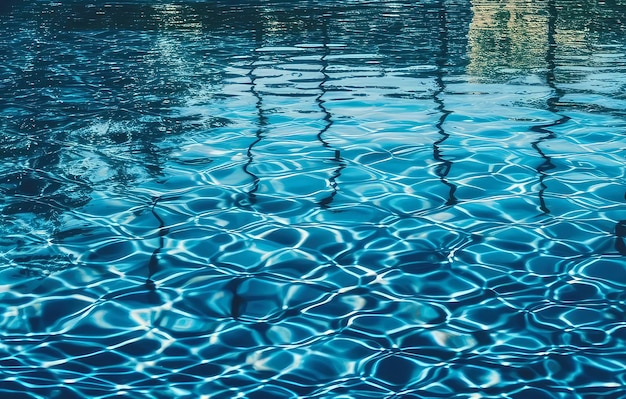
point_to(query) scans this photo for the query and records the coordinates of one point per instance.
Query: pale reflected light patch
(454, 340)
(175, 16)
(493, 378)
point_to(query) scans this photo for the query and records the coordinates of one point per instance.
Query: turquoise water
(316, 199)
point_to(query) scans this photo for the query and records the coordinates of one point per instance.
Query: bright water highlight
(316, 199)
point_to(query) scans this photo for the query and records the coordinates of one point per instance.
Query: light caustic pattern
(310, 207)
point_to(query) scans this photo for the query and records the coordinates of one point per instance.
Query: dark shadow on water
(34, 194)
(443, 168)
(6, 5)
(238, 302)
(620, 232)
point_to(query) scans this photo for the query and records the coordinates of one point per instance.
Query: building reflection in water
(507, 35)
(514, 36)
(527, 43)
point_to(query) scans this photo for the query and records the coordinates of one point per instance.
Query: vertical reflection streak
(444, 165)
(328, 122)
(262, 122)
(238, 302)
(620, 236)
(552, 102)
(153, 264)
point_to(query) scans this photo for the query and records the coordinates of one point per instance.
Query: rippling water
(320, 199)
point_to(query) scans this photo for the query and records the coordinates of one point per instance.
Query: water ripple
(325, 200)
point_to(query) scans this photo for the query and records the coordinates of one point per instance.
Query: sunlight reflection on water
(270, 199)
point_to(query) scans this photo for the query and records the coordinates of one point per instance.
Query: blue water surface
(313, 199)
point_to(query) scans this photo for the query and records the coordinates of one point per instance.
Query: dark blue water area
(313, 199)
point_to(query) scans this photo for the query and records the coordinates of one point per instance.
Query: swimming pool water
(315, 199)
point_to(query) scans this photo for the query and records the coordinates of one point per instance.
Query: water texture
(313, 199)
